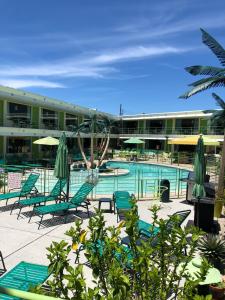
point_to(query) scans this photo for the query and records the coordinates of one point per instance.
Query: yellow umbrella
(47, 141)
(193, 140)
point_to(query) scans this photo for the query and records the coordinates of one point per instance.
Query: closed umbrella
(200, 172)
(61, 170)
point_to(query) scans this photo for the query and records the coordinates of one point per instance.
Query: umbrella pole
(68, 184)
(198, 215)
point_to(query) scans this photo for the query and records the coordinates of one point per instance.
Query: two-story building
(25, 117)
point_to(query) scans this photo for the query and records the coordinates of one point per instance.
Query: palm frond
(219, 101)
(205, 70)
(214, 82)
(215, 47)
(204, 80)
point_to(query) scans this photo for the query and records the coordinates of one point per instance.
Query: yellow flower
(75, 247)
(121, 224)
(83, 236)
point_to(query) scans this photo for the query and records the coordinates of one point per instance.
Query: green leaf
(205, 70)
(215, 47)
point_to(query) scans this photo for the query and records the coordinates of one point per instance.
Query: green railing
(25, 295)
(143, 182)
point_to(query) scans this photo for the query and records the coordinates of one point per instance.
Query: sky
(100, 54)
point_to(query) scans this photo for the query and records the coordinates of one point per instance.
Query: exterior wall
(169, 126)
(61, 120)
(141, 126)
(35, 116)
(35, 149)
(203, 124)
(1, 146)
(1, 112)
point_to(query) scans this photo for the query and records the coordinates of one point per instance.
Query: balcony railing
(172, 131)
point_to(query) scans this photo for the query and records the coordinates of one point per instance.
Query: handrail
(25, 295)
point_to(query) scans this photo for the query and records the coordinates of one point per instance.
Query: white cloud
(95, 66)
(139, 52)
(22, 83)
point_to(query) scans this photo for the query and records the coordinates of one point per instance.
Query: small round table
(106, 200)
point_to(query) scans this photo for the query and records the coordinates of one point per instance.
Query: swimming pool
(142, 180)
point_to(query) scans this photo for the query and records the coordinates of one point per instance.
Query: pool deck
(20, 240)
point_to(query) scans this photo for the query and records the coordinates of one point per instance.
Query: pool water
(142, 180)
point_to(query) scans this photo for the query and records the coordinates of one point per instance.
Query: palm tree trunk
(220, 189)
(105, 150)
(82, 152)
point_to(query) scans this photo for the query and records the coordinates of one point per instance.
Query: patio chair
(27, 188)
(41, 200)
(147, 230)
(22, 277)
(122, 202)
(79, 199)
(3, 267)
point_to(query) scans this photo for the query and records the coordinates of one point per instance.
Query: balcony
(172, 131)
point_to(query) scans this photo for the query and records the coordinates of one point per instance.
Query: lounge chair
(79, 199)
(122, 202)
(3, 268)
(22, 277)
(27, 188)
(147, 230)
(38, 200)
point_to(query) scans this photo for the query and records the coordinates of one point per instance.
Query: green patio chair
(3, 267)
(22, 277)
(147, 230)
(27, 188)
(38, 200)
(79, 199)
(122, 202)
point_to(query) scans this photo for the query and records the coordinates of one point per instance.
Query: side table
(106, 200)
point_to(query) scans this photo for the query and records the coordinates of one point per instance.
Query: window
(49, 119)
(18, 145)
(18, 115)
(71, 122)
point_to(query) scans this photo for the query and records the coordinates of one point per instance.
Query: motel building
(25, 117)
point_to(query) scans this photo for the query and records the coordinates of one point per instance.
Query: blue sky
(101, 54)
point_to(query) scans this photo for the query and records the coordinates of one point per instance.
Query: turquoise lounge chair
(79, 199)
(54, 195)
(27, 188)
(22, 277)
(122, 202)
(147, 230)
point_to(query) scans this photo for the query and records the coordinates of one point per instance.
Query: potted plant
(218, 290)
(212, 247)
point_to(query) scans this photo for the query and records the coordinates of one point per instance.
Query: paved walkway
(20, 240)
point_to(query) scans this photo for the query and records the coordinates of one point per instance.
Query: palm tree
(215, 77)
(94, 125)
(218, 119)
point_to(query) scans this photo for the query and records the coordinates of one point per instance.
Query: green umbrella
(61, 162)
(200, 170)
(134, 140)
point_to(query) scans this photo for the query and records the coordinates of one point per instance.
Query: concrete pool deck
(20, 240)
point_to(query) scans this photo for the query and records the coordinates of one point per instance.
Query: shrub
(150, 269)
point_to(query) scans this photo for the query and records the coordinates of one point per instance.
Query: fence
(143, 179)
